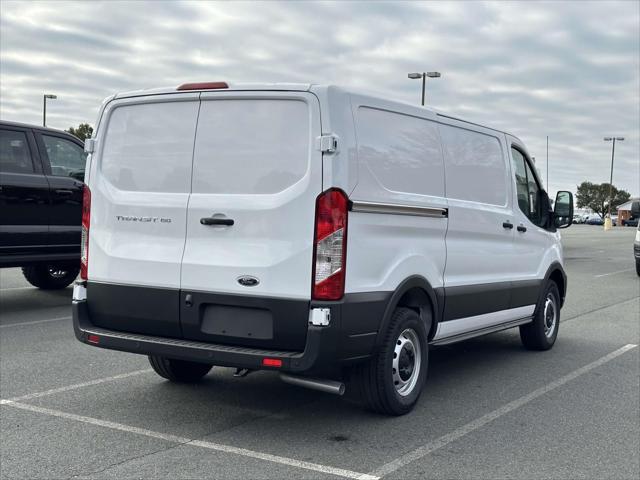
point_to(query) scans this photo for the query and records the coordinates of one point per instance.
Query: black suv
(41, 182)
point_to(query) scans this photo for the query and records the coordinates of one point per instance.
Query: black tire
(374, 381)
(180, 371)
(50, 277)
(638, 267)
(541, 334)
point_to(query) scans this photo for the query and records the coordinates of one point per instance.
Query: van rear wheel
(541, 334)
(391, 382)
(180, 371)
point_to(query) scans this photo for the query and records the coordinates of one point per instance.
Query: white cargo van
(310, 230)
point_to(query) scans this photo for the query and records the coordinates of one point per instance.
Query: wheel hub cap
(550, 316)
(405, 368)
(57, 272)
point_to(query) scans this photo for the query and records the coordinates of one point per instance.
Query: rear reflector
(93, 339)
(203, 86)
(330, 245)
(271, 362)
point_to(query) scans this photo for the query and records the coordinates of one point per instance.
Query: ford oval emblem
(248, 281)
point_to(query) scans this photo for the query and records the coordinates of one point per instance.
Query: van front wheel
(541, 334)
(391, 382)
(179, 371)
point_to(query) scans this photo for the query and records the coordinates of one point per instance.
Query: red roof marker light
(203, 86)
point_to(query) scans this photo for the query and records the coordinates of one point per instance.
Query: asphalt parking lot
(490, 410)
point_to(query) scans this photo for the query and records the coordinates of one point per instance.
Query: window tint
(522, 187)
(250, 146)
(474, 165)
(402, 152)
(527, 187)
(15, 156)
(534, 207)
(148, 147)
(66, 158)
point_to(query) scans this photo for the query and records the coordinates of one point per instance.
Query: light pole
(44, 107)
(423, 76)
(613, 152)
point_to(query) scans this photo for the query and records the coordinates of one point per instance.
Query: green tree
(596, 197)
(83, 131)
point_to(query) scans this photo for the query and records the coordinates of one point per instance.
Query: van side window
(401, 152)
(475, 166)
(527, 187)
(15, 156)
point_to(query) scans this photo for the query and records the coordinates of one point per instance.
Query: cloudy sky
(569, 70)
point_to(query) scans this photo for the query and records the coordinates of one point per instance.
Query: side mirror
(563, 209)
(635, 209)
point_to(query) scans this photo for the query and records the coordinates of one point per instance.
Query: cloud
(570, 70)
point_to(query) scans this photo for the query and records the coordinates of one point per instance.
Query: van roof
(304, 87)
(298, 87)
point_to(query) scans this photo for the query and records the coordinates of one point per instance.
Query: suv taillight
(330, 245)
(86, 220)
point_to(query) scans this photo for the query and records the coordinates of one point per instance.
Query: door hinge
(327, 143)
(89, 145)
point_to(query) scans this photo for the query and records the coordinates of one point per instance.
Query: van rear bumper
(216, 354)
(349, 337)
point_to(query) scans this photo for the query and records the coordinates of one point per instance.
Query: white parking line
(613, 273)
(35, 322)
(16, 288)
(192, 442)
(491, 416)
(97, 381)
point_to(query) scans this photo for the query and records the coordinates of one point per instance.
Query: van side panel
(480, 253)
(399, 163)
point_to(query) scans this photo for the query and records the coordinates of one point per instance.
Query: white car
(310, 230)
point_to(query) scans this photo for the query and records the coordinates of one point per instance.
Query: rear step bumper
(317, 349)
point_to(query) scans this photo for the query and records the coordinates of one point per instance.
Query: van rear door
(139, 202)
(246, 270)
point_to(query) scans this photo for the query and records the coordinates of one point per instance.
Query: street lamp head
(433, 74)
(620, 139)
(607, 139)
(415, 76)
(49, 95)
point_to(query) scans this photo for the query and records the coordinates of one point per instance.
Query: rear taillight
(330, 245)
(86, 220)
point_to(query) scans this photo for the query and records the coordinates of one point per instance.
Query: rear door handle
(522, 228)
(64, 193)
(217, 221)
(508, 225)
